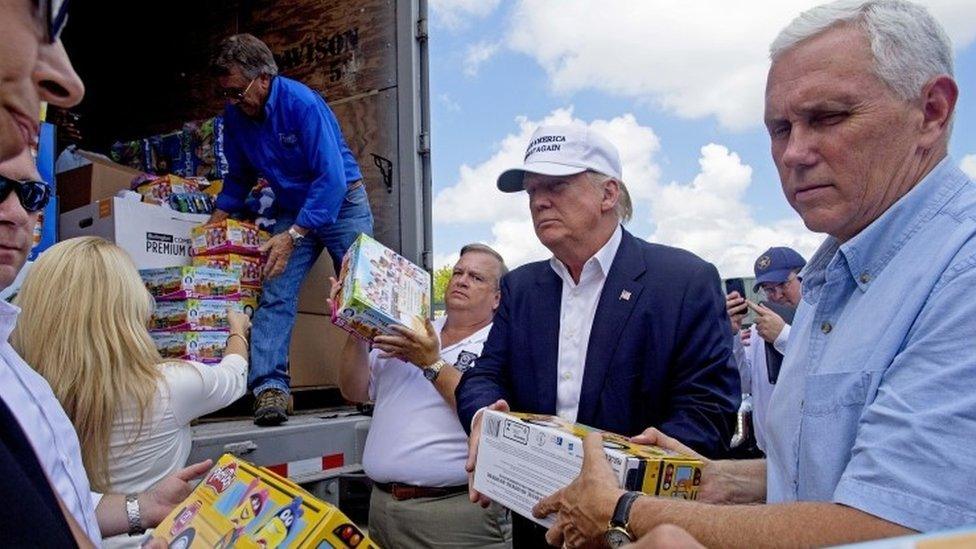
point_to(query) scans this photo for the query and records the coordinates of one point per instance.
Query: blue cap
(776, 264)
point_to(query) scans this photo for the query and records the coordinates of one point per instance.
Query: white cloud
(449, 103)
(694, 59)
(709, 215)
(968, 165)
(478, 54)
(456, 14)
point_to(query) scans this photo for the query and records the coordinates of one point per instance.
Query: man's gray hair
(247, 53)
(910, 47)
(486, 249)
(625, 207)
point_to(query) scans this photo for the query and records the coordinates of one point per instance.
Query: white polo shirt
(415, 436)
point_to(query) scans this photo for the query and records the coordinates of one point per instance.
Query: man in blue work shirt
(871, 431)
(284, 131)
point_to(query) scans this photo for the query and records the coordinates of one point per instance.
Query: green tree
(441, 277)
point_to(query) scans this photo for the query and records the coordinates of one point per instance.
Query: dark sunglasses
(33, 195)
(54, 13)
(235, 94)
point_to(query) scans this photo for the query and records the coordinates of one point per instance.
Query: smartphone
(735, 285)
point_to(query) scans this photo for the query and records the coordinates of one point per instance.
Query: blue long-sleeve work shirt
(297, 146)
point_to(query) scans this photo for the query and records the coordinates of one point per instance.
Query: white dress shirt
(51, 433)
(576, 312)
(415, 437)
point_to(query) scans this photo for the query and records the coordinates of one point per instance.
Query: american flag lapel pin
(625, 295)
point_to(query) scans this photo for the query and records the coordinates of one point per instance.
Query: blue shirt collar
(868, 253)
(271, 103)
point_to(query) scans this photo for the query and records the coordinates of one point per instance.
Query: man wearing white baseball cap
(612, 331)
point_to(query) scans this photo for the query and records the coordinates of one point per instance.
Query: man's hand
(737, 308)
(158, 501)
(745, 336)
(473, 440)
(585, 506)
(278, 248)
(666, 536)
(217, 216)
(420, 349)
(768, 323)
(716, 484)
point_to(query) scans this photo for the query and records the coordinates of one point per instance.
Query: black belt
(402, 492)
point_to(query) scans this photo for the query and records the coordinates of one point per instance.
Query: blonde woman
(84, 329)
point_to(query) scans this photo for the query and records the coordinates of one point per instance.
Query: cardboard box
(241, 505)
(314, 291)
(100, 179)
(161, 188)
(316, 346)
(152, 235)
(192, 314)
(523, 458)
(380, 288)
(247, 268)
(228, 236)
(207, 347)
(170, 283)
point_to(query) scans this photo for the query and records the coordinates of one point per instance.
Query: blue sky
(677, 85)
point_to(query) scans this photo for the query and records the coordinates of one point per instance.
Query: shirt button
(826, 327)
(865, 278)
(567, 376)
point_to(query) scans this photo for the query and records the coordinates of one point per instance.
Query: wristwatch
(431, 372)
(132, 512)
(295, 235)
(617, 532)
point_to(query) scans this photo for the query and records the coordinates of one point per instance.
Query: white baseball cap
(561, 151)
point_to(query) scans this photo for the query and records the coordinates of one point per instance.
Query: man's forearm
(111, 516)
(735, 481)
(446, 382)
(353, 375)
(803, 524)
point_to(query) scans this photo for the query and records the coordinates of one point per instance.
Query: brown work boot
(271, 407)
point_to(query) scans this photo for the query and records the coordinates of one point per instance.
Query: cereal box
(250, 297)
(207, 347)
(192, 314)
(523, 458)
(170, 283)
(228, 236)
(241, 505)
(248, 268)
(380, 288)
(161, 188)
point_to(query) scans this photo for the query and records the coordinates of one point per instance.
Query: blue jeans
(273, 321)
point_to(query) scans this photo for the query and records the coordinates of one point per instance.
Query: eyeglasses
(33, 195)
(54, 13)
(235, 94)
(771, 290)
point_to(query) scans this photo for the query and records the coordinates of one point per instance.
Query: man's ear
(611, 194)
(938, 102)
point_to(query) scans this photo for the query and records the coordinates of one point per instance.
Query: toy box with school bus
(523, 458)
(240, 505)
(169, 283)
(379, 288)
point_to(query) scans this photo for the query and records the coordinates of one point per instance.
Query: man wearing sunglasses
(284, 131)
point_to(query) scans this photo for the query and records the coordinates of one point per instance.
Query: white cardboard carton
(152, 235)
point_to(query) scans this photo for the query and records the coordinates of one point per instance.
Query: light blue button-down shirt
(875, 407)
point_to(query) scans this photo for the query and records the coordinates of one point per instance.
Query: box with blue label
(380, 288)
(191, 283)
(523, 458)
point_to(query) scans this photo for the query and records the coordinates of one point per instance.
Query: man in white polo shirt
(416, 448)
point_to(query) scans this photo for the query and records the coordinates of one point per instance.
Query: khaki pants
(448, 521)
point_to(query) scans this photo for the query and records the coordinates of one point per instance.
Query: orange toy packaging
(241, 505)
(228, 236)
(161, 188)
(247, 267)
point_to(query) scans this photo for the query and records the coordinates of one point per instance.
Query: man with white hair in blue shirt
(871, 431)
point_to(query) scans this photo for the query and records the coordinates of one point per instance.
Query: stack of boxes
(190, 320)
(232, 246)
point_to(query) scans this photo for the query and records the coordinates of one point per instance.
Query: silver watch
(134, 515)
(295, 235)
(431, 372)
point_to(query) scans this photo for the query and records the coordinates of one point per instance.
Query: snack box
(380, 288)
(161, 188)
(523, 458)
(206, 347)
(241, 505)
(228, 236)
(250, 297)
(192, 314)
(248, 268)
(170, 283)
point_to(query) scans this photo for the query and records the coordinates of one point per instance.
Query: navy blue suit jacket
(658, 359)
